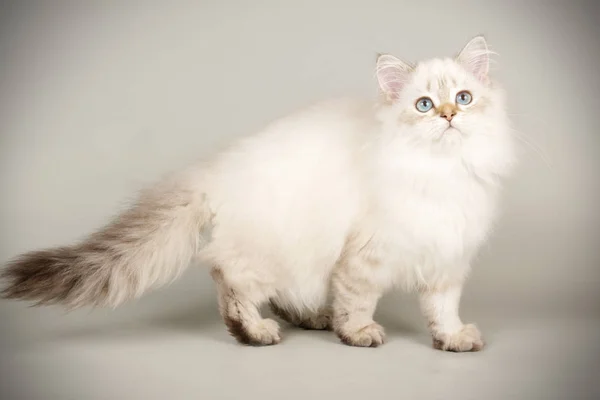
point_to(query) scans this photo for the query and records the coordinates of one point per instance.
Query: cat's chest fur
(431, 215)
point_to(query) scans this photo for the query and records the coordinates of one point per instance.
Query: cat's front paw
(468, 338)
(371, 335)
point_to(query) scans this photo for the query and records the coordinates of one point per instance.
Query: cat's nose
(448, 112)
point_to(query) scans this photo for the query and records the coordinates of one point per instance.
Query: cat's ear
(392, 75)
(475, 58)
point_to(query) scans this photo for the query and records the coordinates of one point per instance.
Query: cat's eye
(464, 98)
(424, 104)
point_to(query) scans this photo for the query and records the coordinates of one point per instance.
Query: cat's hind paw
(262, 333)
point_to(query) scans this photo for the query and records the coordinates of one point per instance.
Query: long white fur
(286, 199)
(340, 177)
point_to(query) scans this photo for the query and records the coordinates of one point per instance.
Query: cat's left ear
(475, 58)
(392, 75)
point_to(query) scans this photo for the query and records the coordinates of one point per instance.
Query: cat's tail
(146, 246)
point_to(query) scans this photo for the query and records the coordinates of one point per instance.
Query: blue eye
(464, 98)
(424, 104)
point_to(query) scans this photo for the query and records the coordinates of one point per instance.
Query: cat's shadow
(203, 320)
(200, 320)
(161, 316)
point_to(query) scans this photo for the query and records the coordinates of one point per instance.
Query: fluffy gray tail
(148, 245)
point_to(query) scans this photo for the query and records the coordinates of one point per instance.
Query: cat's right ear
(392, 75)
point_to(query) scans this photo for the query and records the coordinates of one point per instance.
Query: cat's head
(447, 103)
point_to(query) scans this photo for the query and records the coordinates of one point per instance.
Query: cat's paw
(262, 333)
(467, 339)
(321, 321)
(306, 320)
(371, 335)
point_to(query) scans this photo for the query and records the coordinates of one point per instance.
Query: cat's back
(311, 144)
(340, 121)
(300, 174)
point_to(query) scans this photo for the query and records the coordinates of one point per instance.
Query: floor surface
(186, 354)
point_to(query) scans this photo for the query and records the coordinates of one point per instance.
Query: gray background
(99, 98)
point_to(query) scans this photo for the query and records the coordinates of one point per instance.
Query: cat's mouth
(451, 130)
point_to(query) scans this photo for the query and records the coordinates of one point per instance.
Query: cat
(318, 214)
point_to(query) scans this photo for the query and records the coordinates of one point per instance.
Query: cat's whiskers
(532, 145)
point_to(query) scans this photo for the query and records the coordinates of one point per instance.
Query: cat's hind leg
(239, 305)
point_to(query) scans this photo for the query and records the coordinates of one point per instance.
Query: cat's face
(443, 103)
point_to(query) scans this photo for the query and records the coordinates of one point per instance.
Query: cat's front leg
(440, 305)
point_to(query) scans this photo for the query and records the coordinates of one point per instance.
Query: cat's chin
(447, 134)
(451, 138)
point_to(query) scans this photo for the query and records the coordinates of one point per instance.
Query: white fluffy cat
(319, 214)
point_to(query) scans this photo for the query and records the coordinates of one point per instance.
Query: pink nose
(448, 114)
